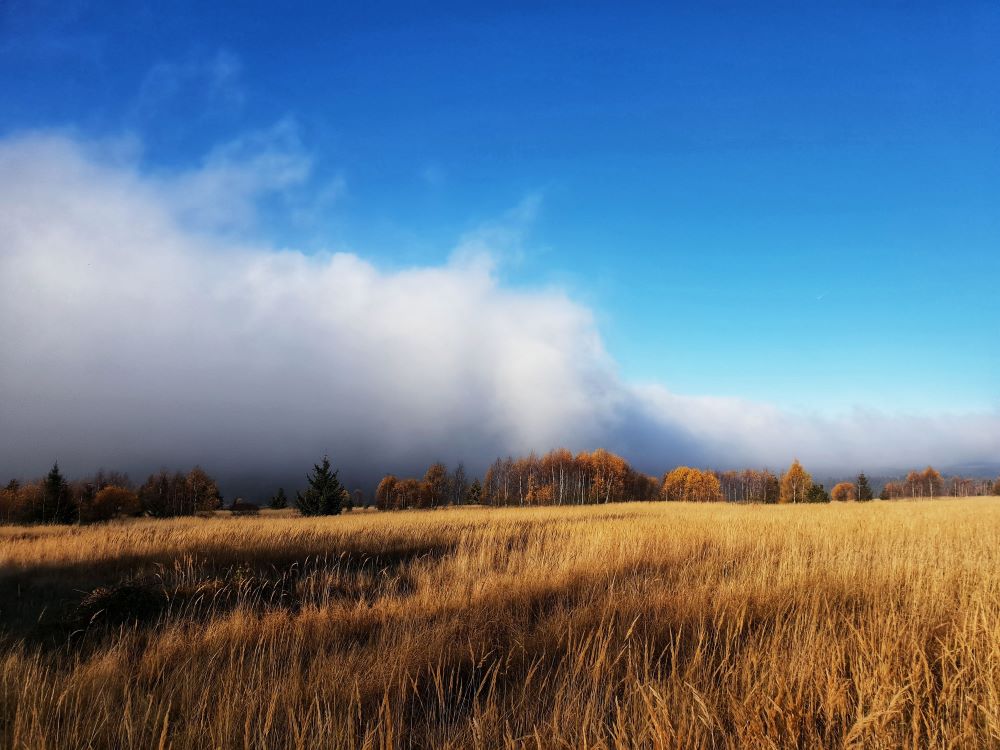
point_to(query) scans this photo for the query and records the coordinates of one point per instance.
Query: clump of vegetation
(119, 604)
(278, 501)
(243, 508)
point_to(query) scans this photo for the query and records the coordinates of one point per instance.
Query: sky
(719, 234)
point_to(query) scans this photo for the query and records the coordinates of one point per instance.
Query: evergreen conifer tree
(57, 502)
(325, 494)
(864, 489)
(817, 494)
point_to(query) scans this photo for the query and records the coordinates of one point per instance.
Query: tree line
(930, 483)
(164, 494)
(561, 478)
(438, 487)
(558, 477)
(107, 495)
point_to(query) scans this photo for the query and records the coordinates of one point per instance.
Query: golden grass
(641, 625)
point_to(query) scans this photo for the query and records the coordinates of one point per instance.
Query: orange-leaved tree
(795, 484)
(108, 503)
(844, 491)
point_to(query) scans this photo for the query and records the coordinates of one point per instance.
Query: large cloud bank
(134, 335)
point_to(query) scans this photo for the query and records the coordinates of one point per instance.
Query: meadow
(653, 625)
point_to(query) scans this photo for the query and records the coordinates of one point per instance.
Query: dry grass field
(654, 625)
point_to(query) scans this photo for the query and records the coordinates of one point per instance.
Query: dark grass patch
(119, 605)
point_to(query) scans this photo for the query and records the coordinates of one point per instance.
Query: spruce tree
(864, 489)
(325, 494)
(817, 494)
(57, 502)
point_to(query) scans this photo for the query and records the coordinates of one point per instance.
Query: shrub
(279, 500)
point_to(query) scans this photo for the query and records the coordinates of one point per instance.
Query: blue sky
(794, 203)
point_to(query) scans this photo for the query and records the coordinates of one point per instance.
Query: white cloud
(222, 194)
(132, 337)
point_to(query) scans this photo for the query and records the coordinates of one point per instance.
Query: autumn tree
(109, 502)
(202, 493)
(386, 497)
(410, 492)
(10, 505)
(559, 478)
(694, 485)
(708, 489)
(675, 483)
(27, 501)
(931, 480)
(435, 486)
(357, 499)
(795, 484)
(895, 490)
(164, 495)
(536, 492)
(105, 478)
(458, 485)
(496, 482)
(968, 487)
(325, 494)
(864, 489)
(157, 494)
(843, 491)
(560, 470)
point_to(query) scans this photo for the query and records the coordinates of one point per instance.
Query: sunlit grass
(639, 625)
